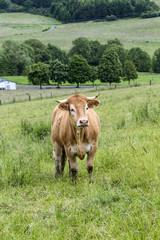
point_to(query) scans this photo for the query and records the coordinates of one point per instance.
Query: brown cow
(75, 129)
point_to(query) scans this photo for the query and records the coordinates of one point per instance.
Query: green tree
(93, 74)
(96, 52)
(156, 61)
(115, 41)
(58, 72)
(41, 51)
(3, 4)
(81, 46)
(57, 53)
(39, 74)
(129, 71)
(79, 70)
(110, 68)
(140, 58)
(118, 48)
(15, 58)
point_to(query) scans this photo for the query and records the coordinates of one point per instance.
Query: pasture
(136, 32)
(124, 200)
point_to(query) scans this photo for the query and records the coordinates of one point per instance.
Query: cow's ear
(93, 103)
(63, 106)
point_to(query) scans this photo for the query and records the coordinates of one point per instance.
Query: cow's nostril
(83, 121)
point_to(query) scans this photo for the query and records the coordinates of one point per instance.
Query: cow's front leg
(74, 169)
(57, 155)
(90, 162)
(73, 166)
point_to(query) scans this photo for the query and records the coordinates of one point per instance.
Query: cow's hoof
(74, 176)
(90, 174)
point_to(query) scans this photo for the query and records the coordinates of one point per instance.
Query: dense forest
(78, 10)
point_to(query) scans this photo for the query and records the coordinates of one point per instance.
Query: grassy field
(136, 32)
(124, 200)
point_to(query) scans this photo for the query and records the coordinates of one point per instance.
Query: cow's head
(78, 107)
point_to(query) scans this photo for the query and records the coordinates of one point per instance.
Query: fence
(39, 94)
(22, 95)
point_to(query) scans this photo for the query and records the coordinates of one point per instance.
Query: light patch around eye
(72, 109)
(86, 108)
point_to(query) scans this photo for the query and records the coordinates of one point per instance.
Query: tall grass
(122, 203)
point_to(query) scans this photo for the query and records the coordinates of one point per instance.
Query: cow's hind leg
(63, 161)
(57, 155)
(70, 173)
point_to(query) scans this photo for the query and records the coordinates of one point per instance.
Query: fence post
(14, 100)
(51, 94)
(150, 82)
(29, 97)
(41, 95)
(115, 86)
(0, 102)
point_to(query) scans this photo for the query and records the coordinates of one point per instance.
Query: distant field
(136, 32)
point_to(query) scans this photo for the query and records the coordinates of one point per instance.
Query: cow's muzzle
(82, 123)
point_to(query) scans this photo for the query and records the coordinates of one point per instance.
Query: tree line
(87, 60)
(78, 10)
(75, 10)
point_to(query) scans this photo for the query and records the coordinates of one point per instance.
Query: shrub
(150, 14)
(111, 18)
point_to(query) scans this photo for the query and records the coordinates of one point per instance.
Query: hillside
(157, 2)
(135, 32)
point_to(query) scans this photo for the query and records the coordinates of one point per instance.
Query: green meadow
(136, 32)
(124, 200)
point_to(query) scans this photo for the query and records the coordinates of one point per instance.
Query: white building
(7, 85)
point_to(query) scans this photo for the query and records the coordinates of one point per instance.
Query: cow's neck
(79, 135)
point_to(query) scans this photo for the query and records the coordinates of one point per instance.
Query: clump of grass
(38, 130)
(146, 112)
(141, 114)
(120, 124)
